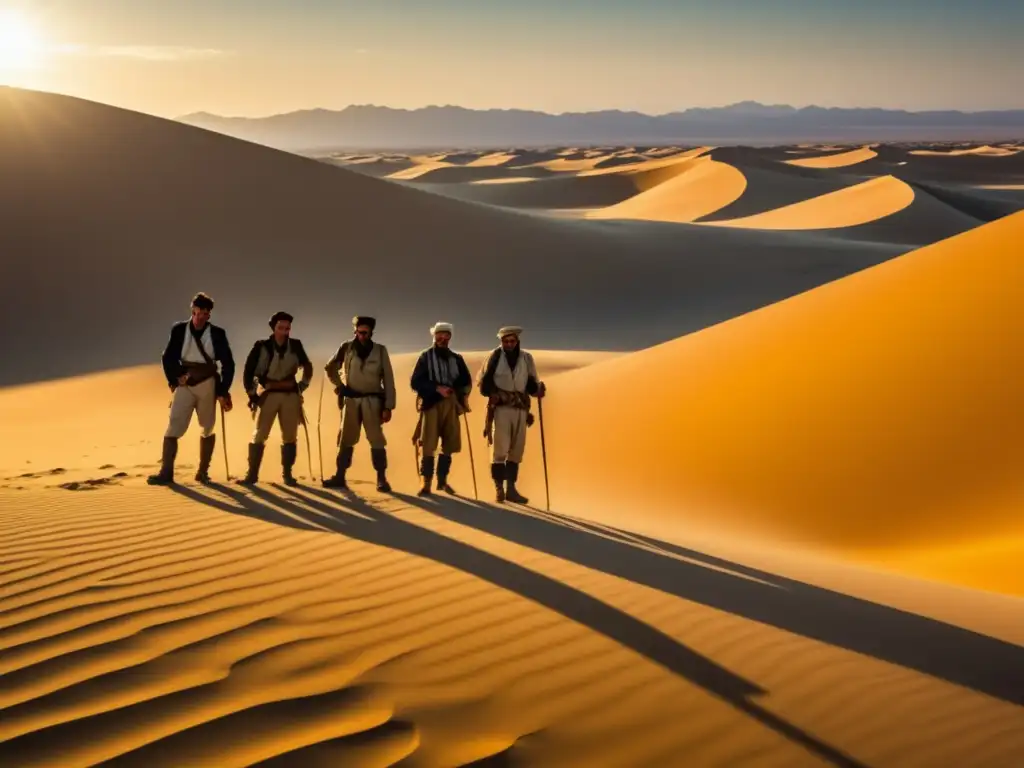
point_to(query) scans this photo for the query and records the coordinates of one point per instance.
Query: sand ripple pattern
(215, 627)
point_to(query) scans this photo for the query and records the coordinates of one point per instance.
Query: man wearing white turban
(442, 383)
(507, 379)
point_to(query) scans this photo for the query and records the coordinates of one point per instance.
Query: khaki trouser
(362, 413)
(441, 423)
(286, 408)
(201, 399)
(508, 433)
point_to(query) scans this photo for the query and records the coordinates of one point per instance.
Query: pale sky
(260, 57)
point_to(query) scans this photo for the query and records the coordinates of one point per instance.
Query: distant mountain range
(365, 127)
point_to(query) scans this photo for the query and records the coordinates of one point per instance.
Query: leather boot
(379, 456)
(444, 465)
(427, 471)
(511, 475)
(288, 452)
(166, 474)
(255, 459)
(498, 476)
(342, 463)
(206, 446)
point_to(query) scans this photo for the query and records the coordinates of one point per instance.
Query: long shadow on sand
(928, 646)
(315, 509)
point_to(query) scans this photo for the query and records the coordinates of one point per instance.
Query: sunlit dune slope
(853, 205)
(600, 187)
(100, 205)
(841, 160)
(985, 150)
(883, 409)
(705, 186)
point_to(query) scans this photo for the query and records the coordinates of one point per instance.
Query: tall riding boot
(511, 475)
(255, 459)
(206, 446)
(379, 456)
(166, 474)
(427, 470)
(444, 465)
(288, 452)
(498, 476)
(343, 462)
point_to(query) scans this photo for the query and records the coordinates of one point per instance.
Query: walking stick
(544, 453)
(472, 464)
(319, 440)
(224, 441)
(309, 455)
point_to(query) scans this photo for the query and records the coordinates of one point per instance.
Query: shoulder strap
(199, 343)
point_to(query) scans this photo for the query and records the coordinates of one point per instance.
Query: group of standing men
(364, 383)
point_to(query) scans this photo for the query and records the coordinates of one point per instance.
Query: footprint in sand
(88, 485)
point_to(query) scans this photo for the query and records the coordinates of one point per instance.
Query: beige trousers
(201, 399)
(508, 433)
(441, 424)
(362, 413)
(285, 407)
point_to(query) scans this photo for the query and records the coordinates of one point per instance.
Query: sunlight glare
(19, 42)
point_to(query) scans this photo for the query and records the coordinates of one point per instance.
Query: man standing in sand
(273, 363)
(442, 383)
(190, 364)
(364, 382)
(507, 379)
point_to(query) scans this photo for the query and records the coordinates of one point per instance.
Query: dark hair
(278, 317)
(202, 301)
(364, 320)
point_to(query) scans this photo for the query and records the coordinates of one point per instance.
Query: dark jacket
(171, 358)
(427, 389)
(253, 358)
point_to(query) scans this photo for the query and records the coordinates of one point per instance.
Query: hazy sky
(257, 57)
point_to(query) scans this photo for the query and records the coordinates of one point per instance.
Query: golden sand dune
(984, 151)
(698, 187)
(858, 204)
(191, 625)
(575, 165)
(597, 188)
(840, 160)
(298, 243)
(706, 589)
(882, 409)
(491, 159)
(647, 164)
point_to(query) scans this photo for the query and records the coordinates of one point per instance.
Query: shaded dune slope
(881, 410)
(181, 209)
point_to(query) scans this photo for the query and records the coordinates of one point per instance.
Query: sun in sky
(20, 44)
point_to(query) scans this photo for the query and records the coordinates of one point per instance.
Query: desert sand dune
(704, 186)
(840, 160)
(176, 626)
(265, 229)
(952, 169)
(985, 150)
(770, 531)
(597, 188)
(848, 207)
(881, 409)
(767, 189)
